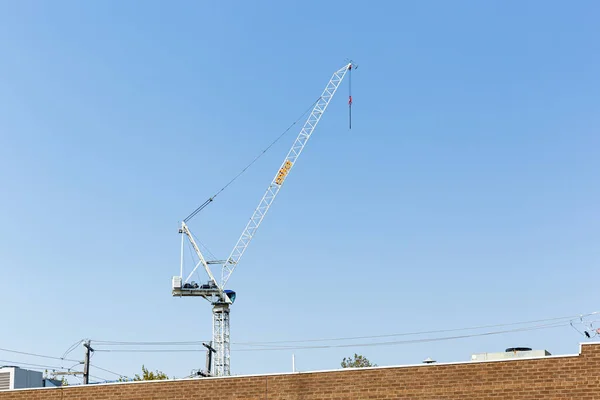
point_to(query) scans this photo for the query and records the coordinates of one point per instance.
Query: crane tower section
(215, 292)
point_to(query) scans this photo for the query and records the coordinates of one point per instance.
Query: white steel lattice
(201, 260)
(221, 339)
(278, 180)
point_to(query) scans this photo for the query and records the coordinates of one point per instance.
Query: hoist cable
(350, 97)
(210, 199)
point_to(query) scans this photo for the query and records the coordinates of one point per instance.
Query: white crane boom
(201, 260)
(266, 201)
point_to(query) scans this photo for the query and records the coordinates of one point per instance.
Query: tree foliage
(150, 375)
(357, 361)
(63, 380)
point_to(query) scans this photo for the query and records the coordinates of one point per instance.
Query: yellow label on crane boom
(285, 169)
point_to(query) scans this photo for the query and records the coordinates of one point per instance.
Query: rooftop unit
(17, 378)
(510, 353)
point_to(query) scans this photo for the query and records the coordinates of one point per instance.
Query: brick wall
(563, 377)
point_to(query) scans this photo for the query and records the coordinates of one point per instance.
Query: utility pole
(86, 362)
(209, 352)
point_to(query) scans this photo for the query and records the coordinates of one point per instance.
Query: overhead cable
(109, 371)
(37, 355)
(210, 199)
(566, 318)
(10, 363)
(71, 348)
(185, 343)
(387, 343)
(121, 343)
(411, 341)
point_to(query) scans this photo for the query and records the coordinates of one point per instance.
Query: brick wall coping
(420, 365)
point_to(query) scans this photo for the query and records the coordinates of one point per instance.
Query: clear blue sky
(465, 194)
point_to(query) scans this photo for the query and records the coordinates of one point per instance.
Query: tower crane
(220, 298)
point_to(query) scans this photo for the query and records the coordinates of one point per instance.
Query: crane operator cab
(230, 294)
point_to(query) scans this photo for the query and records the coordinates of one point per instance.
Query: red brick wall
(570, 377)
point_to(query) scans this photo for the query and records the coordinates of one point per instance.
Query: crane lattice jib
(266, 201)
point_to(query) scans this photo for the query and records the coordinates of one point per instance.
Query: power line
(73, 366)
(71, 348)
(566, 318)
(101, 379)
(109, 371)
(149, 351)
(30, 364)
(37, 355)
(37, 369)
(388, 343)
(121, 343)
(184, 343)
(412, 341)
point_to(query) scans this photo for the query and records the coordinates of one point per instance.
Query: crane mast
(215, 293)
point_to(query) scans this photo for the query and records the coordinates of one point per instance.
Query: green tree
(150, 376)
(63, 379)
(357, 361)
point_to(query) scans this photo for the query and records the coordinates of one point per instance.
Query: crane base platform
(182, 292)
